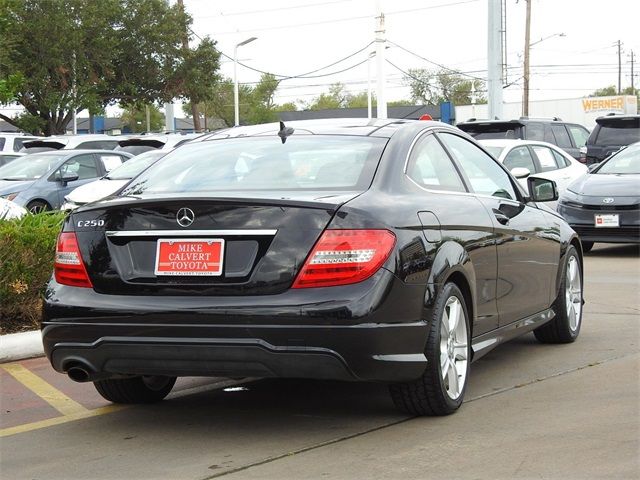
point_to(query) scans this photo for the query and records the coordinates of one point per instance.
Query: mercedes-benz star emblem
(607, 200)
(185, 217)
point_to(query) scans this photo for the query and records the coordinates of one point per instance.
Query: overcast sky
(298, 36)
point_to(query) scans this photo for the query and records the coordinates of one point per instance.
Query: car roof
(506, 142)
(340, 126)
(72, 152)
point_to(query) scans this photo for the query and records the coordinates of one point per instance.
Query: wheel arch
(40, 200)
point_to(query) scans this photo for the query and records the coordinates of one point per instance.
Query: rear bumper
(371, 331)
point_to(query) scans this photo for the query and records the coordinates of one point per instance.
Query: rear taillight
(69, 267)
(342, 257)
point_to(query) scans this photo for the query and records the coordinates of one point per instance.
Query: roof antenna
(284, 132)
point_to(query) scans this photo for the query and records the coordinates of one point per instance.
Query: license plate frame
(191, 261)
(606, 220)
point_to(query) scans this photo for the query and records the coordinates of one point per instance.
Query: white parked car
(97, 141)
(111, 182)
(541, 159)
(13, 142)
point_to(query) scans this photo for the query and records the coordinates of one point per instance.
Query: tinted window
(546, 158)
(98, 145)
(619, 135)
(535, 131)
(562, 137)
(136, 149)
(520, 157)
(579, 135)
(1, 143)
(431, 167)
(305, 162)
(83, 165)
(484, 173)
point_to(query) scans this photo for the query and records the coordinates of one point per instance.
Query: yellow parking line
(27, 427)
(48, 393)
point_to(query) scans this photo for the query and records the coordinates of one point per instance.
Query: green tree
(135, 116)
(85, 54)
(611, 90)
(256, 103)
(433, 88)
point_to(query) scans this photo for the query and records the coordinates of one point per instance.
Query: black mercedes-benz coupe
(383, 251)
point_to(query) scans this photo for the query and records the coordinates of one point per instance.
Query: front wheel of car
(37, 206)
(440, 390)
(565, 326)
(142, 389)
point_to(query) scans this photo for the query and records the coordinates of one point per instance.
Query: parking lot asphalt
(531, 411)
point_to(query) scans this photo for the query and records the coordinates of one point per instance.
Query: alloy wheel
(454, 348)
(573, 293)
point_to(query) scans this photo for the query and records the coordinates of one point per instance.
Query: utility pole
(527, 45)
(381, 100)
(619, 67)
(494, 59)
(194, 106)
(633, 90)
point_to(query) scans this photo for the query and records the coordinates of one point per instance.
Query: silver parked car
(41, 181)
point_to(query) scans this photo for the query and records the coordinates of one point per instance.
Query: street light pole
(527, 38)
(236, 94)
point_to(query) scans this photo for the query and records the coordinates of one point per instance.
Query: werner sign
(617, 104)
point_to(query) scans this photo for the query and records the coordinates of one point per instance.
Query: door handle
(501, 217)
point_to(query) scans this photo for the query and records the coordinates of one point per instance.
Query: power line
(302, 75)
(344, 19)
(444, 67)
(277, 9)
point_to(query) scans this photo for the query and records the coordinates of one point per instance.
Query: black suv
(611, 133)
(568, 136)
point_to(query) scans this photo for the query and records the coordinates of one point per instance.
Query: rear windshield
(495, 131)
(619, 133)
(626, 161)
(133, 167)
(305, 162)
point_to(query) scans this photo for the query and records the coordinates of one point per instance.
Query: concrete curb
(19, 346)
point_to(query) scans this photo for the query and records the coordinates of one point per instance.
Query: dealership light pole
(381, 99)
(236, 94)
(495, 59)
(527, 48)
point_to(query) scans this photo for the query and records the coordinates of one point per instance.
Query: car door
(461, 218)
(527, 249)
(84, 165)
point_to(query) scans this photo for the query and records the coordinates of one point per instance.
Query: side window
(545, 158)
(520, 157)
(484, 173)
(560, 160)
(431, 167)
(549, 137)
(110, 161)
(562, 137)
(83, 165)
(535, 131)
(579, 134)
(2, 140)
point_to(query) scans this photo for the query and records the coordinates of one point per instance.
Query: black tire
(428, 394)
(38, 206)
(587, 246)
(560, 329)
(149, 389)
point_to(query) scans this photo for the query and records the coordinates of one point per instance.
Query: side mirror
(68, 177)
(542, 189)
(520, 172)
(593, 166)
